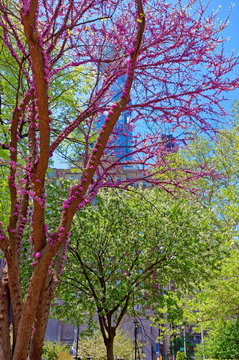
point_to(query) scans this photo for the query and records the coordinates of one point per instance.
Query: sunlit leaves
(134, 242)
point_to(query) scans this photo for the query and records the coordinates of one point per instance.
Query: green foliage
(8, 83)
(181, 356)
(68, 91)
(201, 352)
(117, 245)
(216, 297)
(219, 297)
(49, 352)
(221, 157)
(221, 343)
(93, 347)
(52, 349)
(220, 193)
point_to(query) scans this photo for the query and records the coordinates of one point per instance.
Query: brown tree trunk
(43, 309)
(29, 311)
(14, 284)
(5, 347)
(40, 324)
(110, 349)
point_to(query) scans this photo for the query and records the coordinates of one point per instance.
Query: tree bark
(29, 309)
(43, 309)
(40, 324)
(110, 348)
(5, 347)
(14, 284)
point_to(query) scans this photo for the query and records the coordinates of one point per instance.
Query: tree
(175, 77)
(217, 298)
(214, 303)
(93, 347)
(124, 250)
(222, 343)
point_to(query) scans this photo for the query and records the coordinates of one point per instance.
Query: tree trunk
(108, 332)
(5, 348)
(40, 324)
(25, 327)
(110, 349)
(43, 309)
(14, 284)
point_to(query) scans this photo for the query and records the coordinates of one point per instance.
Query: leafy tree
(222, 343)
(93, 347)
(173, 69)
(220, 192)
(125, 249)
(215, 301)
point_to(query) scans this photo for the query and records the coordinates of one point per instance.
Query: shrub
(181, 356)
(55, 351)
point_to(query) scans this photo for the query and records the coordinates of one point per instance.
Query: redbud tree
(160, 63)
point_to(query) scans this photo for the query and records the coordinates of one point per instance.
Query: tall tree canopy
(161, 63)
(125, 249)
(215, 303)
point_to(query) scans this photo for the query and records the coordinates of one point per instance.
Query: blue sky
(232, 32)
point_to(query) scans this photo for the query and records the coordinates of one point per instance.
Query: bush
(181, 356)
(49, 353)
(55, 351)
